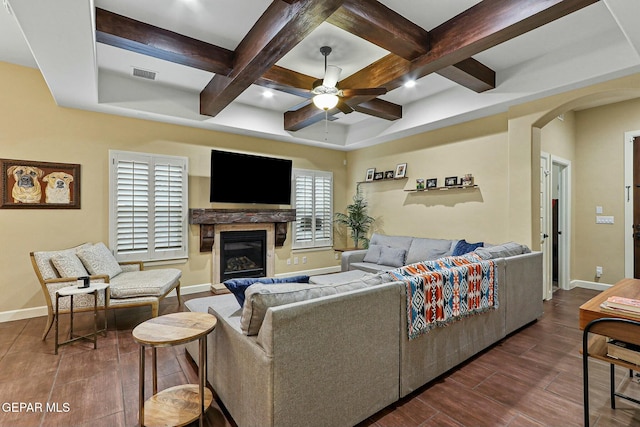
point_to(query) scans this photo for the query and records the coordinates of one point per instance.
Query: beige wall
(478, 147)
(599, 170)
(32, 127)
(502, 152)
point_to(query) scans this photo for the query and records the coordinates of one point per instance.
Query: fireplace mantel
(208, 218)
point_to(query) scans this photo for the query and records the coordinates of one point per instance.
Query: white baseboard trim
(28, 313)
(25, 313)
(590, 285)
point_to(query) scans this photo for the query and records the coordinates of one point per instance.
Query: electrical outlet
(304, 259)
(288, 261)
(598, 271)
(295, 260)
(336, 255)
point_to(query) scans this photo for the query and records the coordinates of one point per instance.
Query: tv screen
(245, 178)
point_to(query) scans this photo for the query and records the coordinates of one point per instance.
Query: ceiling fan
(327, 95)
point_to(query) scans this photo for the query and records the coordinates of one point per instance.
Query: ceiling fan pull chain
(326, 125)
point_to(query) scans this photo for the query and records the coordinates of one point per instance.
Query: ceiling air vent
(145, 74)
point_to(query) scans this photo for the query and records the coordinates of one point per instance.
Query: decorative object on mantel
(432, 183)
(356, 219)
(388, 175)
(208, 218)
(378, 176)
(370, 173)
(420, 184)
(26, 184)
(450, 181)
(401, 170)
(466, 180)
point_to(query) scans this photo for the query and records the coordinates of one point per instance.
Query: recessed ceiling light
(410, 83)
(267, 94)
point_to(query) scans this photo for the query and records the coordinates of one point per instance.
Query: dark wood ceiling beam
(126, 33)
(470, 74)
(383, 27)
(480, 27)
(277, 31)
(487, 24)
(381, 109)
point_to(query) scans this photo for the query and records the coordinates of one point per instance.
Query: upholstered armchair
(130, 284)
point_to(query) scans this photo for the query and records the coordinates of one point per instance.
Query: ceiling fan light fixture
(325, 101)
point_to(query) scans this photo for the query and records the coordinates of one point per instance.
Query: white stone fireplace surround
(214, 221)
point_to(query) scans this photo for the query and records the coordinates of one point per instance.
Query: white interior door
(545, 225)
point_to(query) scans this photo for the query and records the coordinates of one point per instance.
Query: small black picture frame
(378, 176)
(388, 175)
(451, 181)
(432, 182)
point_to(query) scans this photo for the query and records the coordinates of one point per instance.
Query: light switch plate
(604, 219)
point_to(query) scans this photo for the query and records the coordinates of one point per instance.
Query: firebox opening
(243, 254)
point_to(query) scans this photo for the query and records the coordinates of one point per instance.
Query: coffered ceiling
(247, 66)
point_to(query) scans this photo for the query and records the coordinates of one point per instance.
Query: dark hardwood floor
(531, 378)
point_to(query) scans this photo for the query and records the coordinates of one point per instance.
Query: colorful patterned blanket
(448, 289)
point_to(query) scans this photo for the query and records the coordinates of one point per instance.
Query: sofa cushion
(373, 254)
(369, 267)
(68, 265)
(502, 251)
(423, 249)
(259, 297)
(43, 260)
(98, 259)
(393, 257)
(154, 283)
(463, 247)
(403, 242)
(238, 286)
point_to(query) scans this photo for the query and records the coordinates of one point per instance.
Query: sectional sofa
(334, 354)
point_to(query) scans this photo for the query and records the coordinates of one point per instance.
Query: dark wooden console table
(603, 324)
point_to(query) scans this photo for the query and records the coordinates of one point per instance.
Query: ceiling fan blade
(331, 76)
(371, 91)
(344, 107)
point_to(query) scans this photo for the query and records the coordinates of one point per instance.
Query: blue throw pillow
(238, 286)
(464, 248)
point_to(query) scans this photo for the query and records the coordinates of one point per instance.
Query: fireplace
(243, 254)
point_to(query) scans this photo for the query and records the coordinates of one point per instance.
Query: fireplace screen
(243, 254)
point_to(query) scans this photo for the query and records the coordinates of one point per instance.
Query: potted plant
(356, 219)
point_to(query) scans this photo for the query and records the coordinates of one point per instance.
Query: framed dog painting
(39, 185)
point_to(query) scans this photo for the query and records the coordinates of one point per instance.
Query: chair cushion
(98, 259)
(68, 265)
(154, 283)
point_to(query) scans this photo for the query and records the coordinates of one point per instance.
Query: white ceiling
(595, 44)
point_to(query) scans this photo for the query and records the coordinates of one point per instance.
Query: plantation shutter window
(313, 202)
(148, 206)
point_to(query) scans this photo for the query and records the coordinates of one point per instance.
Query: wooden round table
(179, 405)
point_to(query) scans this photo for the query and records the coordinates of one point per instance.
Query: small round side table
(70, 291)
(183, 404)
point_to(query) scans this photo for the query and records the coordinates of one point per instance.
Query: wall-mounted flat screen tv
(246, 178)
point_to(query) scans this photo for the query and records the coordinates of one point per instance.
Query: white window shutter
(313, 202)
(148, 205)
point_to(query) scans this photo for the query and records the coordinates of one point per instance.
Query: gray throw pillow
(68, 265)
(502, 251)
(99, 260)
(373, 254)
(393, 257)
